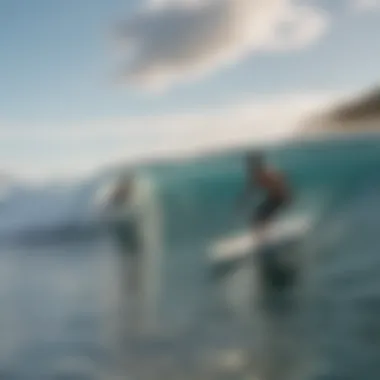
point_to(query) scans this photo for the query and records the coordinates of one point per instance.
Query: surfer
(272, 183)
(125, 230)
(125, 226)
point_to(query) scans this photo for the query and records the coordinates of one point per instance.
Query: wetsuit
(277, 197)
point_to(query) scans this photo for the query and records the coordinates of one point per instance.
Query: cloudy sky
(84, 83)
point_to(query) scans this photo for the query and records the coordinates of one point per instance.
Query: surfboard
(238, 246)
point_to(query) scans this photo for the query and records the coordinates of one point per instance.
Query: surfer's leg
(258, 223)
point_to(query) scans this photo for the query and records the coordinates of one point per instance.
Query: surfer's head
(124, 186)
(255, 160)
(127, 181)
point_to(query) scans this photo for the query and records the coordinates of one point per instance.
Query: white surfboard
(242, 244)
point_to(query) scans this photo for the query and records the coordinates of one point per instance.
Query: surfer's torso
(277, 194)
(273, 184)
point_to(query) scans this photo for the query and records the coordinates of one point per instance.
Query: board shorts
(267, 209)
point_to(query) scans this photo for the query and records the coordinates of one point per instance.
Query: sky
(84, 83)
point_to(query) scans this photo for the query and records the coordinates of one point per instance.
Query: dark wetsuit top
(277, 196)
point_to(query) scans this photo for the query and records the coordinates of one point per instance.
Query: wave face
(197, 197)
(336, 186)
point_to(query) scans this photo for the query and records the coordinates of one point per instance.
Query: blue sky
(59, 75)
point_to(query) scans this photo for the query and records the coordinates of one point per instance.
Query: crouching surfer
(277, 196)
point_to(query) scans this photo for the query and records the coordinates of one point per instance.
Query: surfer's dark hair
(125, 180)
(255, 158)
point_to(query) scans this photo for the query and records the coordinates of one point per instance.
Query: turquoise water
(198, 198)
(60, 302)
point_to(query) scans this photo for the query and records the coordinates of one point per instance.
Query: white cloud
(171, 41)
(72, 149)
(365, 5)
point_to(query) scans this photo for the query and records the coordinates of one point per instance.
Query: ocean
(70, 311)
